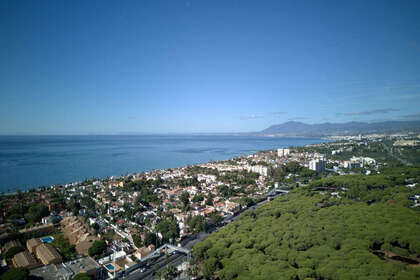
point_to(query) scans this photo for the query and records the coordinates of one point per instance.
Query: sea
(34, 161)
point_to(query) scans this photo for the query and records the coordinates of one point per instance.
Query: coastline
(205, 158)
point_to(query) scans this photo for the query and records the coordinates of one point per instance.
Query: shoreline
(28, 189)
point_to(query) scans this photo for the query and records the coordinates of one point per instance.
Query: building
(47, 254)
(24, 259)
(11, 244)
(69, 269)
(262, 170)
(31, 244)
(78, 233)
(144, 251)
(37, 230)
(85, 265)
(283, 152)
(317, 165)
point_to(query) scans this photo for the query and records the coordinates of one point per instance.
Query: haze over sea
(34, 161)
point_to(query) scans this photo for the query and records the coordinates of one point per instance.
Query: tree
(83, 276)
(98, 247)
(209, 267)
(247, 201)
(215, 218)
(185, 198)
(209, 201)
(63, 245)
(309, 234)
(169, 229)
(150, 239)
(95, 226)
(13, 251)
(137, 240)
(19, 273)
(36, 212)
(198, 198)
(197, 224)
(169, 272)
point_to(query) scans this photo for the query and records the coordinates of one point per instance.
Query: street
(188, 243)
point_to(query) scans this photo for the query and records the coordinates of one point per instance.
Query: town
(144, 225)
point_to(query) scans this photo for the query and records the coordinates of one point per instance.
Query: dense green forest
(369, 232)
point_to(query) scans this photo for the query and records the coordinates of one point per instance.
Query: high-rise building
(283, 152)
(317, 165)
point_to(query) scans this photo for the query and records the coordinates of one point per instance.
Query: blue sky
(76, 67)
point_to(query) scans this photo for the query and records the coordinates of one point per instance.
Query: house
(144, 251)
(78, 233)
(68, 270)
(47, 254)
(11, 244)
(85, 265)
(31, 244)
(24, 259)
(51, 219)
(37, 230)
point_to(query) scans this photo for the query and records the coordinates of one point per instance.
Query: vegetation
(310, 234)
(169, 272)
(185, 199)
(13, 251)
(63, 245)
(197, 224)
(169, 229)
(82, 276)
(278, 174)
(150, 239)
(145, 187)
(137, 240)
(19, 273)
(242, 178)
(98, 248)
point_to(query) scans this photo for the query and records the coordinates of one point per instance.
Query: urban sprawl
(145, 225)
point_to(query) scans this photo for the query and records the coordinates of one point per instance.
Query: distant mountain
(293, 128)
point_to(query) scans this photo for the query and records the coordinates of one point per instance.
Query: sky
(99, 67)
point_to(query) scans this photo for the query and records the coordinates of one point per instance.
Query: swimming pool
(47, 239)
(110, 267)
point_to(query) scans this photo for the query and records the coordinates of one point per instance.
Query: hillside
(370, 232)
(350, 128)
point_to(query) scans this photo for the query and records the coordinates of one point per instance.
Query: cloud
(415, 116)
(372, 112)
(251, 117)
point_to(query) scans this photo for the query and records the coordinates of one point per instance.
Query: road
(391, 154)
(161, 262)
(187, 243)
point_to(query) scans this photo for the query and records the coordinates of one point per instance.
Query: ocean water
(34, 161)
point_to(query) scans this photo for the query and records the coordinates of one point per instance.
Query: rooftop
(84, 264)
(24, 259)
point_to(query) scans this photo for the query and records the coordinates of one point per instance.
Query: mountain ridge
(294, 128)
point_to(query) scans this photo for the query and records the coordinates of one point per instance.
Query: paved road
(188, 243)
(161, 262)
(391, 153)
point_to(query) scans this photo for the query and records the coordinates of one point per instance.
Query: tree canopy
(98, 247)
(168, 228)
(19, 273)
(311, 234)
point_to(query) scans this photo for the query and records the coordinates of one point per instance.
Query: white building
(356, 162)
(317, 165)
(283, 152)
(262, 170)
